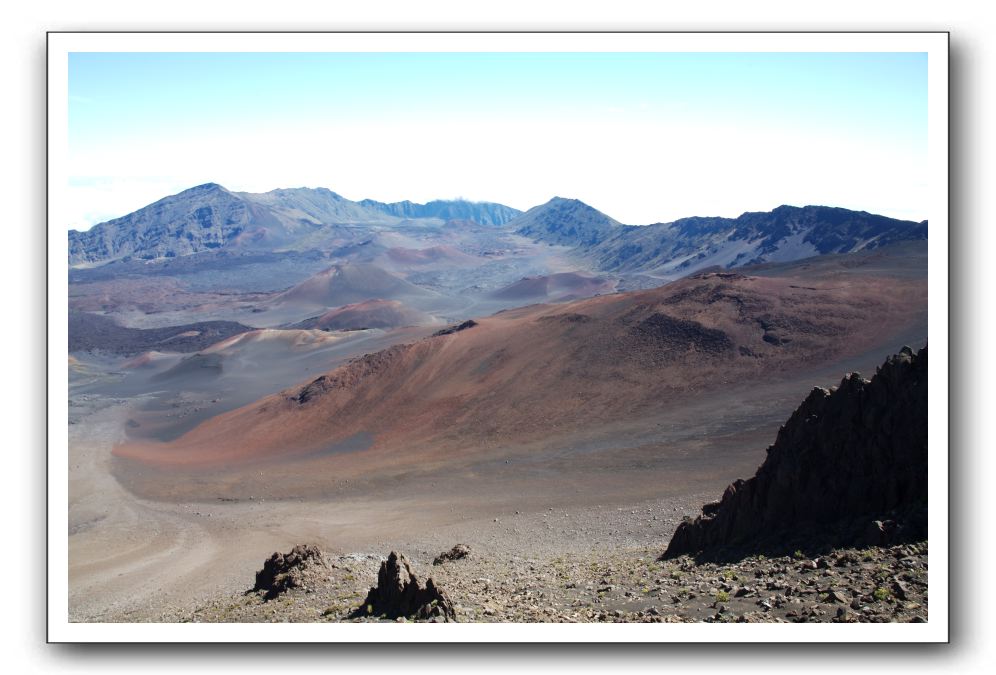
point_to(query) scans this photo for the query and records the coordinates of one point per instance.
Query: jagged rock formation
(849, 467)
(284, 571)
(458, 552)
(399, 594)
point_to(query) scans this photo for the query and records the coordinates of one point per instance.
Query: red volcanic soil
(553, 287)
(348, 283)
(368, 314)
(430, 256)
(533, 373)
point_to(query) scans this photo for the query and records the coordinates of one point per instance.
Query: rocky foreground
(848, 585)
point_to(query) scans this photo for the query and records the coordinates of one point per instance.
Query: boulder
(304, 565)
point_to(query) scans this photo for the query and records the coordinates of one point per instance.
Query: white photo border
(934, 44)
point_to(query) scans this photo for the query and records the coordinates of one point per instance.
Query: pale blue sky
(644, 137)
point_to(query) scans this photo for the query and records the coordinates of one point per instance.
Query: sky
(643, 137)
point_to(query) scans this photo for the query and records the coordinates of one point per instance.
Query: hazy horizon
(643, 137)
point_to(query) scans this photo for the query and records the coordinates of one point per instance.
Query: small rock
(836, 596)
(901, 590)
(458, 552)
(846, 559)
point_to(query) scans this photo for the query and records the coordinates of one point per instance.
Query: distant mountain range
(483, 213)
(209, 217)
(685, 245)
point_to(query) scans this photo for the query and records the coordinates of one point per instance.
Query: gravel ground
(625, 585)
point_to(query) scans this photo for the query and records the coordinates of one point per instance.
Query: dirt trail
(138, 560)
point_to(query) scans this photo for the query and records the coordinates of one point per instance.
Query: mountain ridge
(209, 217)
(782, 234)
(483, 213)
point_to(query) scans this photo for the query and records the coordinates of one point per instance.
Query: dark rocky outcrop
(304, 565)
(456, 553)
(90, 332)
(848, 468)
(679, 335)
(349, 375)
(469, 323)
(399, 594)
(313, 389)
